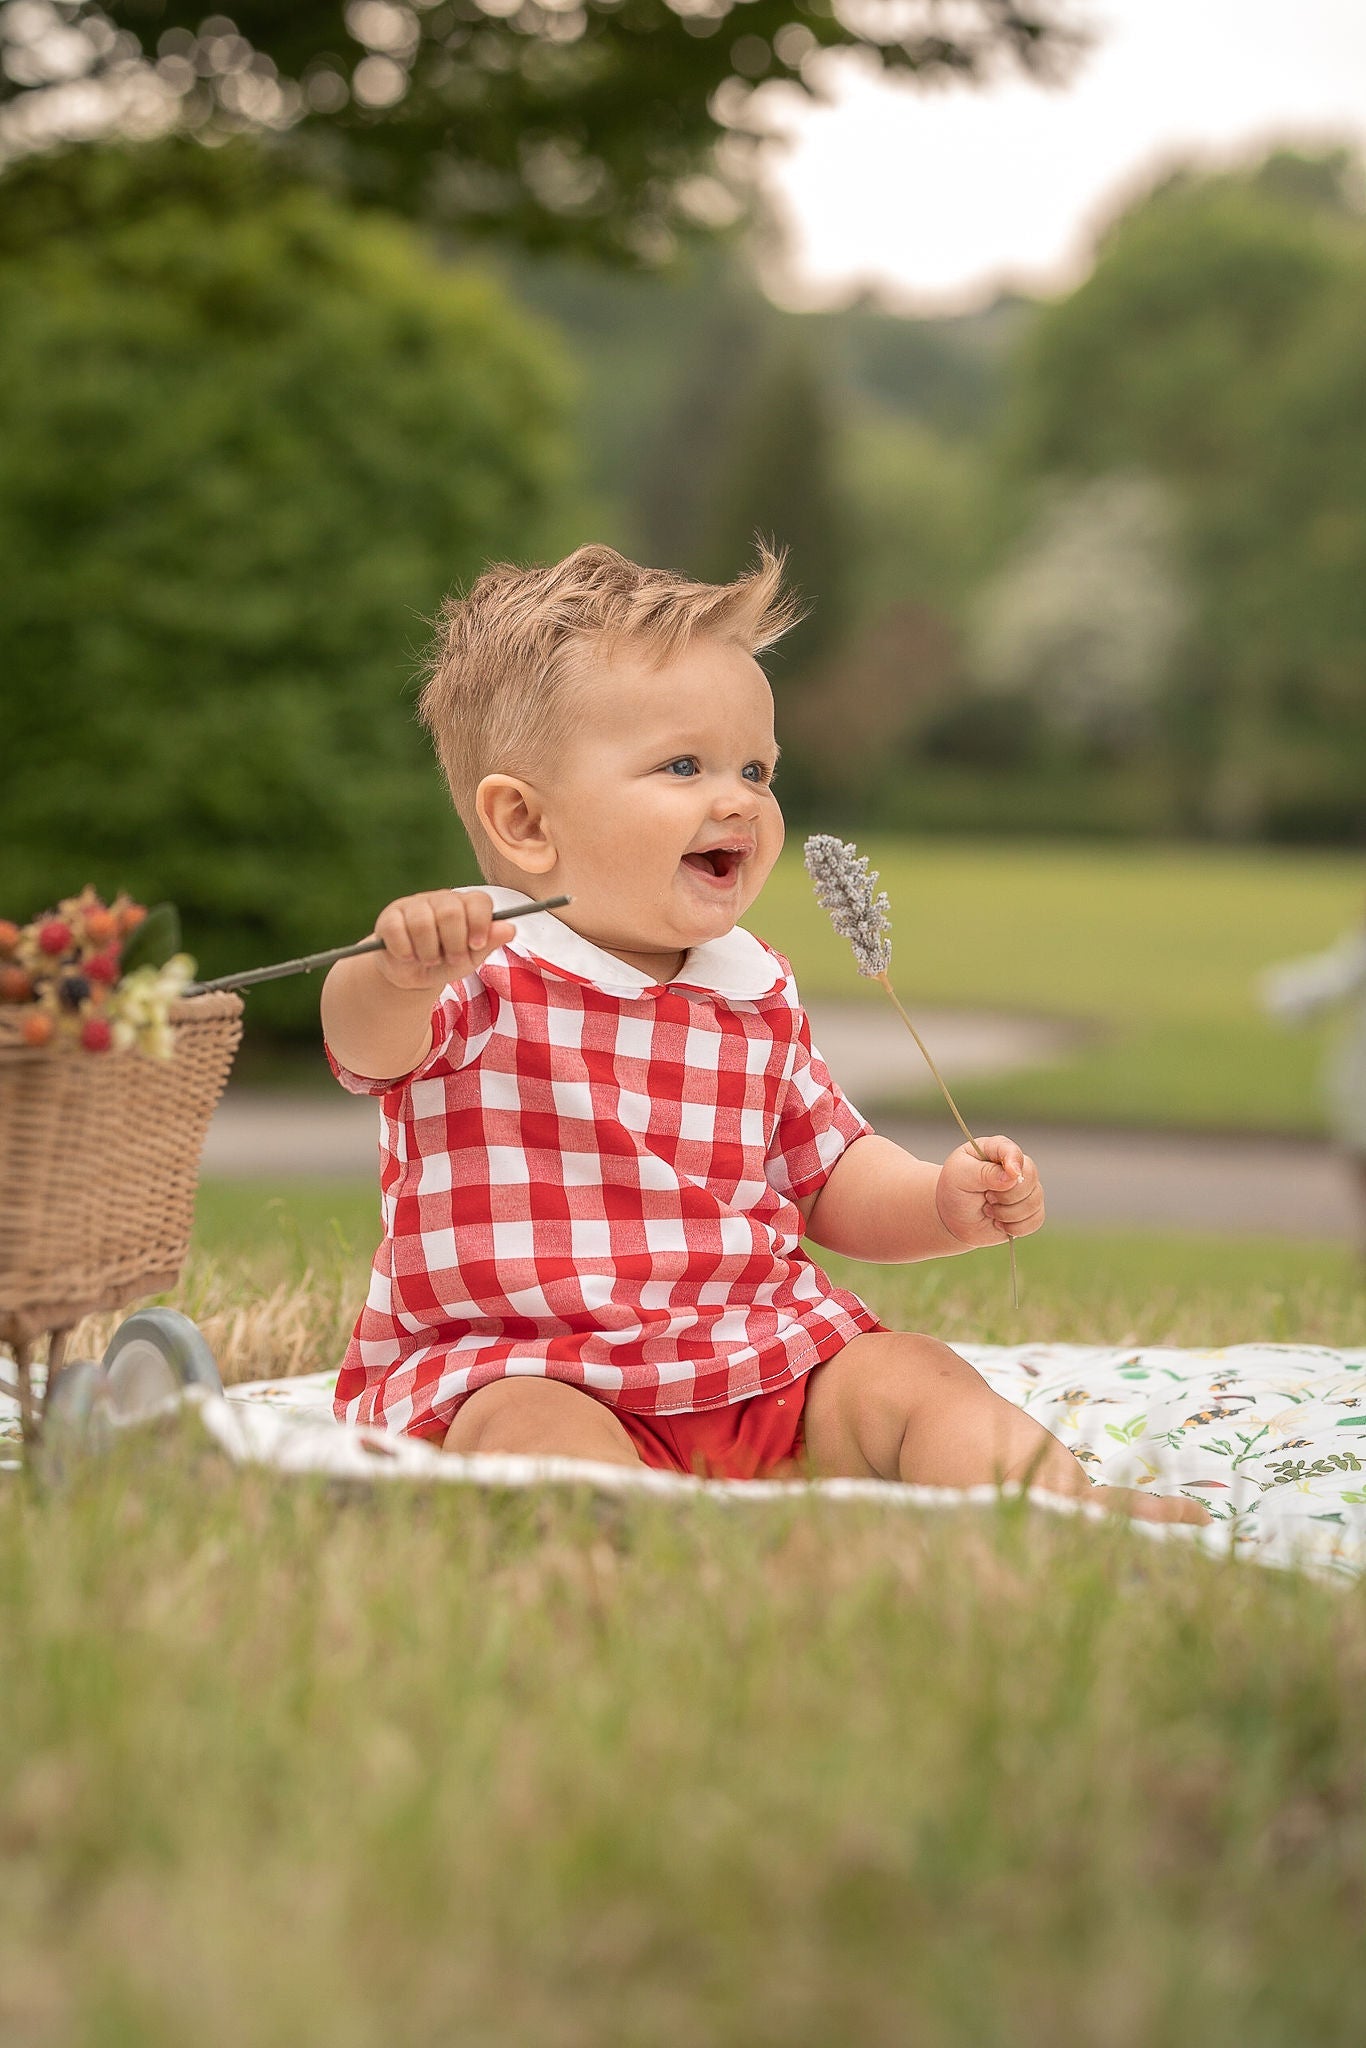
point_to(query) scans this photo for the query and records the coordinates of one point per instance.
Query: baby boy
(606, 1134)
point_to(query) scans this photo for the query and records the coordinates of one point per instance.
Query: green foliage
(1087, 621)
(853, 437)
(592, 126)
(79, 196)
(779, 473)
(1219, 346)
(946, 371)
(247, 441)
(669, 365)
(156, 940)
(706, 357)
(1162, 356)
(921, 506)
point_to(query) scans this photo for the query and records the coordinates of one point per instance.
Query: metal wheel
(152, 1357)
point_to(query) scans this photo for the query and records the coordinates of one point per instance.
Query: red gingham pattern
(599, 1187)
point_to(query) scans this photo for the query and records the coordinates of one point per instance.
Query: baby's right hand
(439, 936)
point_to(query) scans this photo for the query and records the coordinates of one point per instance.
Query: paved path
(1161, 1180)
(1105, 1179)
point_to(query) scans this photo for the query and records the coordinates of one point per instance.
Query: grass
(286, 1766)
(285, 1762)
(1156, 949)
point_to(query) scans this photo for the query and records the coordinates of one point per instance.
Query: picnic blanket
(1271, 1438)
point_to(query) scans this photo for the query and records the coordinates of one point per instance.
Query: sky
(940, 198)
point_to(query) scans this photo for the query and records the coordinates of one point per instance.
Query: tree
(1218, 347)
(779, 472)
(555, 122)
(689, 448)
(1088, 617)
(924, 511)
(855, 721)
(244, 450)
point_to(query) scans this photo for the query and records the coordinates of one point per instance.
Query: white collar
(736, 965)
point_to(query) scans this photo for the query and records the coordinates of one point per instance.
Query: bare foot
(1149, 1507)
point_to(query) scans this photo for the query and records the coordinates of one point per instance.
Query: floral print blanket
(1270, 1437)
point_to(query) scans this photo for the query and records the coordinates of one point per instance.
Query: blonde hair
(501, 674)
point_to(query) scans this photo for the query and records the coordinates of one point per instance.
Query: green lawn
(1156, 949)
(286, 1763)
(297, 1764)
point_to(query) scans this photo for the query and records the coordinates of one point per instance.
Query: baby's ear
(512, 814)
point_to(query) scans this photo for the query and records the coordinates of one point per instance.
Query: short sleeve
(816, 1123)
(450, 1040)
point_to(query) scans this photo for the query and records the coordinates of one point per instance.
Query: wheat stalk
(844, 885)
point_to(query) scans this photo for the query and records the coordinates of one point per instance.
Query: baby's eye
(683, 761)
(762, 774)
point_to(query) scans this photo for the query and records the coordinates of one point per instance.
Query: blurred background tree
(1089, 616)
(589, 124)
(1219, 347)
(248, 439)
(780, 469)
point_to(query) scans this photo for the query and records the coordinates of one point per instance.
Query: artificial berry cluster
(64, 970)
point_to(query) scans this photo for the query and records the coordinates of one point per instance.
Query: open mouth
(720, 864)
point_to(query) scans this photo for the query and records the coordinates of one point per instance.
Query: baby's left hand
(986, 1201)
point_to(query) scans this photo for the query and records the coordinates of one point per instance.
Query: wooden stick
(28, 1411)
(944, 1091)
(311, 961)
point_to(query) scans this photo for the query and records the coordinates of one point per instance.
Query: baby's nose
(740, 795)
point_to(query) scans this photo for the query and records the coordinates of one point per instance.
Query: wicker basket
(99, 1158)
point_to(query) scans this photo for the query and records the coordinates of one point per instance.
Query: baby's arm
(377, 1008)
(884, 1206)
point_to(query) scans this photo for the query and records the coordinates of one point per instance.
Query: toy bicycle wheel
(152, 1357)
(76, 1413)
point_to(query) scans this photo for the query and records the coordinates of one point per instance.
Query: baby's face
(663, 764)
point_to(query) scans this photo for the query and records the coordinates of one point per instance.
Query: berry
(103, 966)
(36, 1028)
(100, 925)
(54, 936)
(15, 985)
(131, 916)
(72, 991)
(97, 1034)
(8, 934)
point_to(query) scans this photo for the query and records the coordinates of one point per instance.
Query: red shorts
(760, 1438)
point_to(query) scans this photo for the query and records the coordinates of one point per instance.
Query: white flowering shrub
(1089, 616)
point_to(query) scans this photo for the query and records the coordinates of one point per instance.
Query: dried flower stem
(844, 885)
(308, 963)
(953, 1106)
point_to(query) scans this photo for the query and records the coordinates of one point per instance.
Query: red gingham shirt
(592, 1177)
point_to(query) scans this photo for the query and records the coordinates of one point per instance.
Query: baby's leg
(540, 1419)
(895, 1406)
